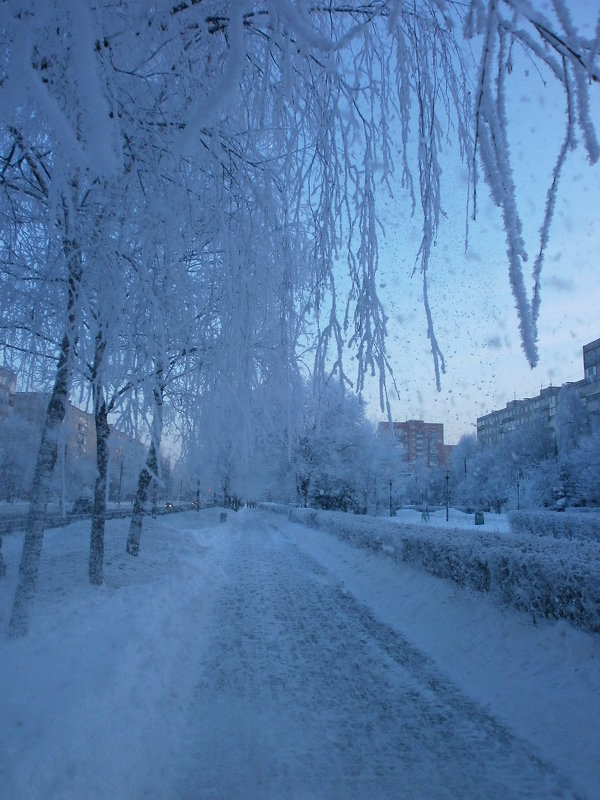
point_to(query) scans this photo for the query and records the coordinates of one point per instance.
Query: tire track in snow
(304, 693)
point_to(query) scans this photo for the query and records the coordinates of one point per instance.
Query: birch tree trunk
(48, 450)
(137, 516)
(149, 471)
(40, 492)
(96, 554)
(96, 557)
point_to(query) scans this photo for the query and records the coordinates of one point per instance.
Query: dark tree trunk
(40, 491)
(150, 469)
(154, 500)
(96, 558)
(48, 450)
(135, 528)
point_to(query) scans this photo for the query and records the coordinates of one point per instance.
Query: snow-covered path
(262, 659)
(304, 693)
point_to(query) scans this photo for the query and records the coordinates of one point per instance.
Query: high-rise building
(543, 409)
(422, 441)
(589, 387)
(492, 428)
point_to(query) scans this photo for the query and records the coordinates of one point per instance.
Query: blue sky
(470, 294)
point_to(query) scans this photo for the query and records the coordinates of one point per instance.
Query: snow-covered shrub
(573, 525)
(550, 577)
(561, 583)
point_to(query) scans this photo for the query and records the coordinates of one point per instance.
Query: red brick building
(422, 441)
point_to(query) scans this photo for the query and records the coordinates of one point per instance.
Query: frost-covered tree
(571, 419)
(339, 460)
(566, 54)
(539, 486)
(392, 474)
(333, 89)
(462, 462)
(331, 447)
(585, 468)
(71, 271)
(494, 476)
(276, 124)
(579, 473)
(18, 438)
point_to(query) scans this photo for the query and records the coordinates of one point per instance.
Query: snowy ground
(456, 519)
(260, 659)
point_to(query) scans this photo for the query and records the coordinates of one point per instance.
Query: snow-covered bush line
(562, 526)
(555, 578)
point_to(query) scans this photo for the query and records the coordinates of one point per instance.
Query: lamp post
(447, 495)
(391, 497)
(120, 482)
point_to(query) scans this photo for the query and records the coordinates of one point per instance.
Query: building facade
(79, 429)
(589, 387)
(543, 409)
(498, 425)
(8, 386)
(422, 441)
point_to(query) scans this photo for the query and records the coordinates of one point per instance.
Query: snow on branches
(566, 55)
(273, 128)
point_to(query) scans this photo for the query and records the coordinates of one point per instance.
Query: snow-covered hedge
(568, 525)
(556, 578)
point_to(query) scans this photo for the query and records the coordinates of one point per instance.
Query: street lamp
(447, 495)
(120, 481)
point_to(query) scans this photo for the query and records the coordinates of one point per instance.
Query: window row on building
(79, 426)
(545, 409)
(421, 441)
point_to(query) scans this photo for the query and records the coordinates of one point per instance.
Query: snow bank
(542, 682)
(555, 578)
(92, 700)
(101, 700)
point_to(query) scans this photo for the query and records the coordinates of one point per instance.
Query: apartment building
(542, 409)
(494, 427)
(589, 387)
(422, 441)
(8, 385)
(79, 426)
(80, 430)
